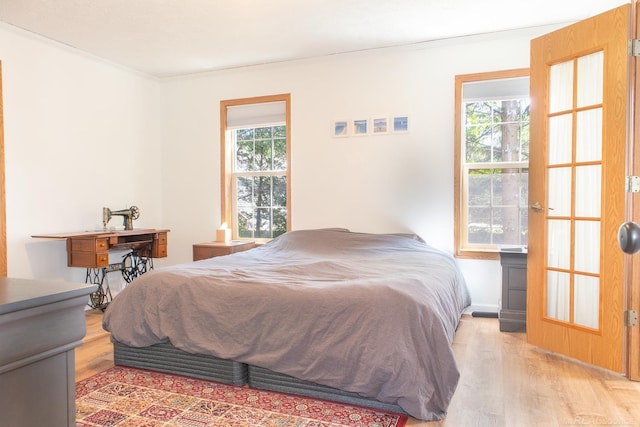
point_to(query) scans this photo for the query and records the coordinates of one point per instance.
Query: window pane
(263, 155)
(279, 221)
(245, 222)
(280, 154)
(280, 191)
(262, 190)
(261, 206)
(479, 187)
(479, 225)
(507, 207)
(479, 131)
(245, 191)
(245, 134)
(497, 208)
(244, 156)
(262, 229)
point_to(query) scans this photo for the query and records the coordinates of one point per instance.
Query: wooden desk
(90, 250)
(41, 323)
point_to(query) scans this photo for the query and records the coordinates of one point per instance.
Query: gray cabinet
(513, 311)
(41, 322)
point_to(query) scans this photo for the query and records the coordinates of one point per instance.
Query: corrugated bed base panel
(166, 358)
(266, 379)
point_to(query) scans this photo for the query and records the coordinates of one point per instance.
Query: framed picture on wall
(400, 123)
(340, 128)
(360, 126)
(379, 125)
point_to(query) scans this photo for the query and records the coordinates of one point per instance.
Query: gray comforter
(366, 313)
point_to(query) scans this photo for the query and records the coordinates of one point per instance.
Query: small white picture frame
(400, 124)
(340, 128)
(379, 125)
(360, 127)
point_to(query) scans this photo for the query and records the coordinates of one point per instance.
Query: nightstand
(213, 249)
(513, 313)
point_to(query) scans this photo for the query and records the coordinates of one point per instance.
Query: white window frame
(229, 175)
(461, 195)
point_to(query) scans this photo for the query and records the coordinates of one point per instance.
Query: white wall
(384, 183)
(81, 134)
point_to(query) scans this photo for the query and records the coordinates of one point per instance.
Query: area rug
(127, 397)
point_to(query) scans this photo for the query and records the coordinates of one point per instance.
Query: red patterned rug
(127, 397)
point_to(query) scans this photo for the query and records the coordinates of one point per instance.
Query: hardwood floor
(504, 381)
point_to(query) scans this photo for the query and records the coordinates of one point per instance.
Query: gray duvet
(366, 313)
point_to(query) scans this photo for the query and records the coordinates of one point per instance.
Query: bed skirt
(166, 358)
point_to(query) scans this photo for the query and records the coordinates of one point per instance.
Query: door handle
(629, 237)
(536, 207)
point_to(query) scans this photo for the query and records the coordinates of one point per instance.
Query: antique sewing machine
(90, 249)
(129, 215)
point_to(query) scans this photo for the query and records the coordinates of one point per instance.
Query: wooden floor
(504, 381)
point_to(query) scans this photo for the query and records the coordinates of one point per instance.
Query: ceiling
(166, 38)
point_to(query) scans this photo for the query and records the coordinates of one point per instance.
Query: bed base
(171, 360)
(265, 379)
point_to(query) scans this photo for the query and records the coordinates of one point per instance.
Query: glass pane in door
(561, 87)
(560, 134)
(558, 295)
(559, 238)
(589, 135)
(559, 192)
(588, 190)
(590, 79)
(587, 247)
(587, 301)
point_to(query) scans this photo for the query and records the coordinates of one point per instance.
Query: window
(492, 162)
(255, 166)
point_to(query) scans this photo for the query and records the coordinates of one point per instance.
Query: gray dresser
(41, 322)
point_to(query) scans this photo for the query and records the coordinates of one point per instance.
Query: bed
(359, 318)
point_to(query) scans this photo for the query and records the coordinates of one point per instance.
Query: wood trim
(632, 263)
(3, 208)
(225, 154)
(458, 215)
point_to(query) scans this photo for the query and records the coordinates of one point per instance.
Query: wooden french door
(576, 282)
